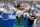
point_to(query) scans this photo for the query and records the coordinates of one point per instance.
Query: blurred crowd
(9, 5)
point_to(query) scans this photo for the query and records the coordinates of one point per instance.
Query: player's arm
(31, 18)
(25, 10)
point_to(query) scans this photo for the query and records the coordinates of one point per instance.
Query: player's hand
(26, 10)
(37, 16)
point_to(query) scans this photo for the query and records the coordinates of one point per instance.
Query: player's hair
(18, 5)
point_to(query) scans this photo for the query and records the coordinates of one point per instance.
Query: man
(31, 20)
(31, 12)
(19, 16)
(20, 19)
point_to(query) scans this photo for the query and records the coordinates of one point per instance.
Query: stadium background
(8, 22)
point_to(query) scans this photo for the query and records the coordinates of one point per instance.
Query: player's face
(21, 6)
